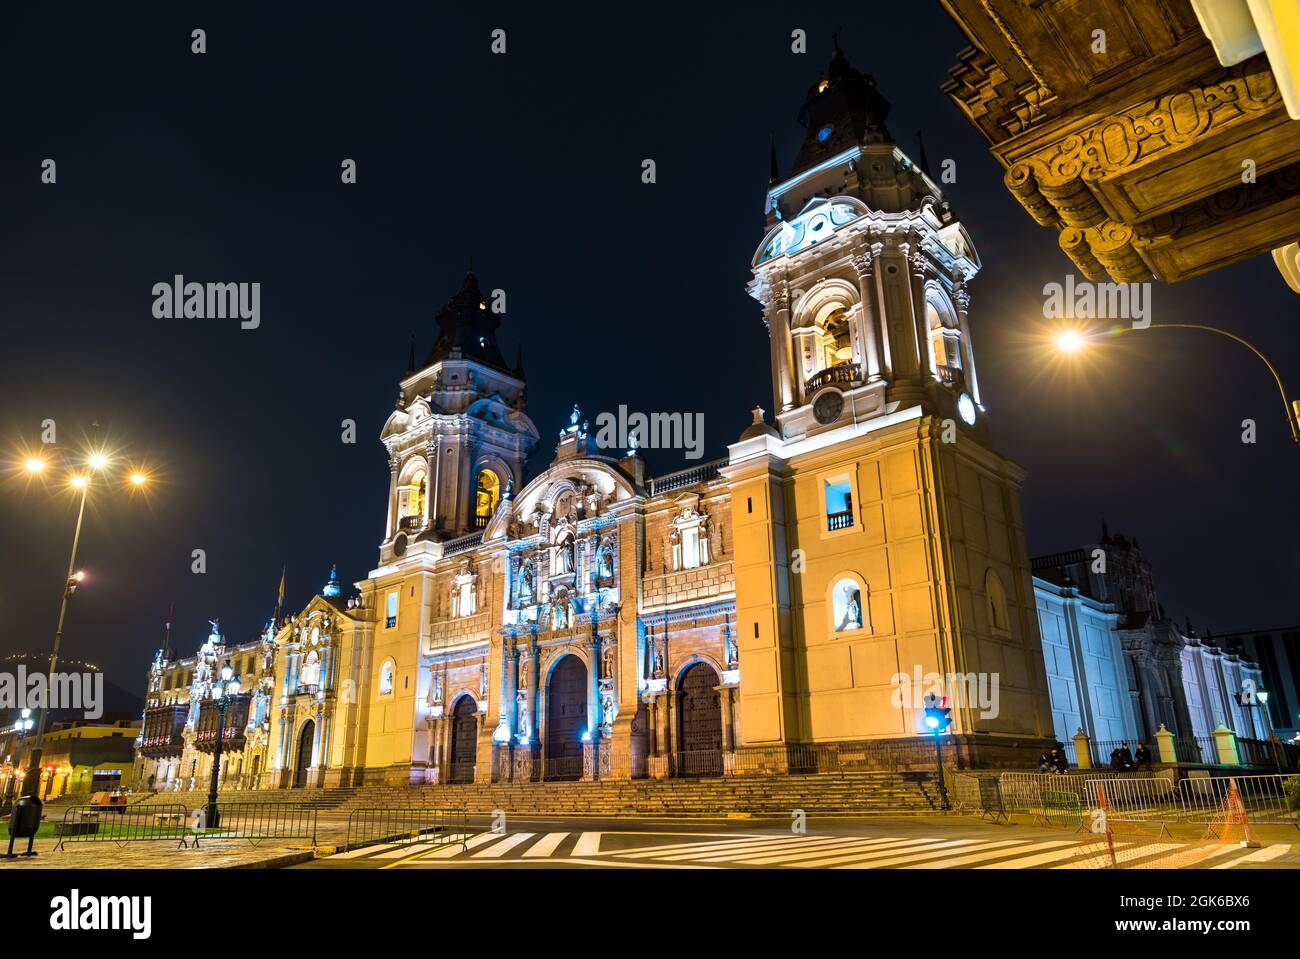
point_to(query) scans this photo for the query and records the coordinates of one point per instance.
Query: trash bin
(25, 818)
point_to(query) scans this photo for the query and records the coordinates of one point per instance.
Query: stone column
(961, 297)
(391, 525)
(727, 694)
(434, 477)
(778, 310)
(862, 265)
(918, 267)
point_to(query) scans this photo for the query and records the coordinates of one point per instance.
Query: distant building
(178, 734)
(1119, 668)
(85, 756)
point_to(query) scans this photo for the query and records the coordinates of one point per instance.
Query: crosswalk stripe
(1000, 853)
(1267, 854)
(545, 846)
(364, 851)
(588, 844)
(756, 847)
(497, 850)
(792, 856)
(924, 855)
(1097, 852)
(1069, 852)
(687, 846)
(856, 856)
(473, 843)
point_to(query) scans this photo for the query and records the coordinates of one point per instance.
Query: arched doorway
(566, 719)
(304, 754)
(464, 740)
(699, 722)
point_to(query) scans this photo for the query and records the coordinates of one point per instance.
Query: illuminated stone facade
(594, 622)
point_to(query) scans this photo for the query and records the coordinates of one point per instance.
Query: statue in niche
(607, 662)
(563, 563)
(608, 706)
(526, 585)
(605, 560)
(521, 704)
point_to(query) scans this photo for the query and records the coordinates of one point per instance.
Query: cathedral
(596, 622)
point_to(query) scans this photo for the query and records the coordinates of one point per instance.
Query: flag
(279, 601)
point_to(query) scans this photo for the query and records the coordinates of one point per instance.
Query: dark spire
(466, 326)
(410, 361)
(842, 109)
(921, 158)
(774, 168)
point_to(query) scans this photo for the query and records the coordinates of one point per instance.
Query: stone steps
(857, 794)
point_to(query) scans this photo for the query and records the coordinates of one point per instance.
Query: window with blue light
(839, 503)
(824, 133)
(390, 613)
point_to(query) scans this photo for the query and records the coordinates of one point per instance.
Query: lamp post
(226, 687)
(80, 480)
(1262, 697)
(25, 819)
(1071, 341)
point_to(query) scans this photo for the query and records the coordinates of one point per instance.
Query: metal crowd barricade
(1152, 798)
(255, 822)
(406, 825)
(981, 794)
(122, 824)
(1263, 798)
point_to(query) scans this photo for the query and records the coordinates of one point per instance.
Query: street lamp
(80, 479)
(222, 691)
(1072, 341)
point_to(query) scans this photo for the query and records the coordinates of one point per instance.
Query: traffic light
(938, 714)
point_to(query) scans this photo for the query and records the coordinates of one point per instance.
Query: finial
(757, 413)
(410, 360)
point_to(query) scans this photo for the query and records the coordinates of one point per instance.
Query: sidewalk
(167, 854)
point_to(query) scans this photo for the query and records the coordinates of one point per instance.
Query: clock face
(828, 406)
(966, 409)
(399, 544)
(824, 133)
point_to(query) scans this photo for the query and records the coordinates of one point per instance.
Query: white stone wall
(1085, 665)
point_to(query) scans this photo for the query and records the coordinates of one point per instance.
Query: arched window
(411, 494)
(848, 607)
(486, 497)
(834, 339)
(945, 340)
(386, 678)
(997, 603)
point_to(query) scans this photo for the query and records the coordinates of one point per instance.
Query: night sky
(225, 168)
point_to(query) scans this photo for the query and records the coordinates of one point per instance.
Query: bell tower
(459, 435)
(879, 538)
(863, 273)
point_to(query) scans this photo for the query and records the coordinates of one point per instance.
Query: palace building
(595, 622)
